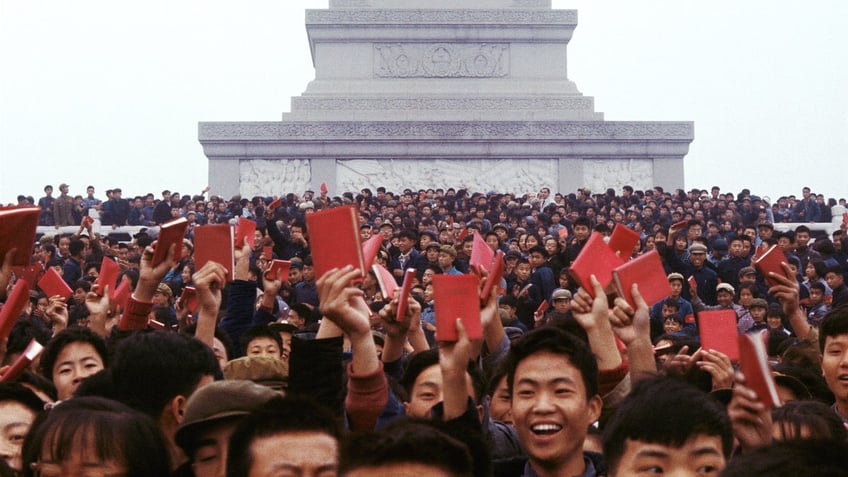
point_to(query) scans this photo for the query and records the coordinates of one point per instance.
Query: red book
(268, 252)
(279, 270)
(156, 325)
(31, 273)
(371, 248)
(324, 189)
(120, 295)
(692, 282)
(33, 349)
(646, 271)
(495, 275)
(170, 233)
(481, 254)
(623, 240)
(597, 259)
(403, 298)
(718, 332)
(335, 241)
(109, 271)
(18, 225)
(753, 360)
(679, 225)
(543, 307)
(188, 299)
(451, 300)
(87, 220)
(386, 280)
(273, 205)
(462, 234)
(845, 217)
(244, 232)
(770, 262)
(52, 284)
(215, 243)
(15, 303)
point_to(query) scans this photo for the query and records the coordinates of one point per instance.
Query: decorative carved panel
(600, 174)
(273, 176)
(441, 60)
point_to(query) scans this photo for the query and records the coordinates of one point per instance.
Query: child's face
(774, 322)
(668, 311)
(758, 314)
(816, 296)
(671, 326)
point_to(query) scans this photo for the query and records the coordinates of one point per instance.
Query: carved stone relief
(441, 60)
(273, 177)
(514, 175)
(599, 174)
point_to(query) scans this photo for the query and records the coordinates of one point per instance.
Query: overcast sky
(110, 93)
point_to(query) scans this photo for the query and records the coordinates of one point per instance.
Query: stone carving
(273, 177)
(441, 60)
(410, 16)
(570, 103)
(576, 130)
(600, 174)
(516, 175)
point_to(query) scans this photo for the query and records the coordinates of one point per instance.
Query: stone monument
(422, 93)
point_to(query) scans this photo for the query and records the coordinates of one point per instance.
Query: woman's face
(745, 297)
(76, 361)
(810, 271)
(530, 242)
(551, 246)
(79, 462)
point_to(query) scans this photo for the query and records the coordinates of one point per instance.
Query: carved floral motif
(441, 60)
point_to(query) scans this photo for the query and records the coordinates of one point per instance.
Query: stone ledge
(442, 17)
(570, 103)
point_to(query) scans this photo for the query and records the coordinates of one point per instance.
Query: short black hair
(557, 341)
(665, 411)
(822, 458)
(259, 331)
(835, 323)
(407, 441)
(418, 362)
(151, 368)
(65, 337)
(278, 416)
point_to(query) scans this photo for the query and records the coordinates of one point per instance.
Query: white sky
(110, 93)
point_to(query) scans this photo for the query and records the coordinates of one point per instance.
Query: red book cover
(770, 262)
(170, 233)
(623, 240)
(52, 284)
(215, 243)
(403, 298)
(371, 248)
(15, 303)
(334, 240)
(481, 254)
(646, 271)
(18, 225)
(462, 234)
(753, 360)
(120, 295)
(386, 280)
(188, 299)
(273, 205)
(495, 275)
(451, 295)
(543, 307)
(33, 349)
(268, 252)
(597, 259)
(244, 232)
(845, 217)
(31, 273)
(718, 332)
(324, 189)
(279, 270)
(679, 225)
(109, 271)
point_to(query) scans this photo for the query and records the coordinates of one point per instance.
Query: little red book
(244, 232)
(268, 252)
(718, 331)
(215, 243)
(273, 205)
(31, 352)
(335, 241)
(279, 270)
(31, 273)
(753, 360)
(18, 225)
(452, 299)
(623, 240)
(109, 271)
(370, 249)
(648, 273)
(770, 262)
(386, 280)
(120, 295)
(597, 259)
(188, 299)
(495, 275)
(170, 233)
(543, 307)
(403, 298)
(481, 254)
(15, 303)
(52, 284)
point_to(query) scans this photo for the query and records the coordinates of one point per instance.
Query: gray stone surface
(414, 93)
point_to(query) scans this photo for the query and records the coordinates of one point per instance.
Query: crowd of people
(196, 373)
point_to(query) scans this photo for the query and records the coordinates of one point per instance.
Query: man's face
(427, 392)
(785, 244)
(758, 314)
(522, 271)
(724, 298)
(697, 259)
(308, 273)
(445, 260)
(536, 259)
(210, 457)
(64, 246)
(423, 241)
(581, 232)
(816, 296)
(295, 275)
(676, 288)
(695, 231)
(834, 280)
(405, 244)
(550, 409)
(263, 346)
(307, 453)
(500, 405)
(562, 305)
(834, 364)
(699, 456)
(802, 238)
(736, 248)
